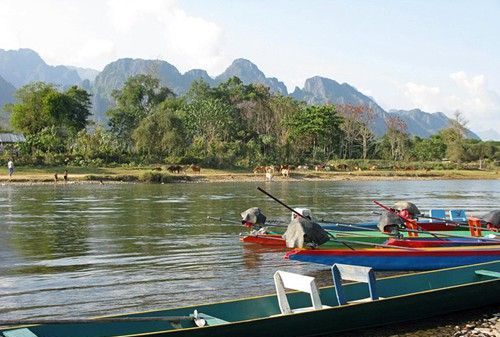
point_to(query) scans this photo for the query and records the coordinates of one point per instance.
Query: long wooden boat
(423, 224)
(441, 242)
(392, 259)
(448, 238)
(426, 295)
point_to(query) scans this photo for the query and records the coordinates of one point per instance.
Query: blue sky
(434, 55)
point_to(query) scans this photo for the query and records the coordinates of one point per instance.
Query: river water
(87, 250)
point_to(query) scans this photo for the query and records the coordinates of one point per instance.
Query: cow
(285, 172)
(195, 168)
(174, 168)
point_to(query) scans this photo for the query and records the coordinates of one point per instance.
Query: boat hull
(426, 294)
(388, 259)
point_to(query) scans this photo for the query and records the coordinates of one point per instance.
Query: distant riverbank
(46, 175)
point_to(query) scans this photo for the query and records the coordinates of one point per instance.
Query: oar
(420, 230)
(358, 227)
(225, 220)
(344, 242)
(95, 320)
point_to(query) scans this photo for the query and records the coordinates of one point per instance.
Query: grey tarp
(389, 219)
(410, 207)
(493, 218)
(253, 215)
(302, 232)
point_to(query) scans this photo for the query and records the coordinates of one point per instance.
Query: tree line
(229, 125)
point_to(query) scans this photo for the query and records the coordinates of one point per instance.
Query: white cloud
(93, 33)
(422, 96)
(468, 94)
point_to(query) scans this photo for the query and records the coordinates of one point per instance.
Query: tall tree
(454, 136)
(30, 114)
(315, 130)
(40, 105)
(161, 134)
(136, 100)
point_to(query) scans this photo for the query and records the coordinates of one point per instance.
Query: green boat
(355, 238)
(388, 300)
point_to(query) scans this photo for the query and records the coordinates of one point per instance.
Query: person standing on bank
(10, 167)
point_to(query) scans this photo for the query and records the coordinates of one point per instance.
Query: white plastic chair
(285, 280)
(353, 273)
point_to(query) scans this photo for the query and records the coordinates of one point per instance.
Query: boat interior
(305, 298)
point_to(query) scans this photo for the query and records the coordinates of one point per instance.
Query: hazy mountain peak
(23, 66)
(248, 73)
(85, 73)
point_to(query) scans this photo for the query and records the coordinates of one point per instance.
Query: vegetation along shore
(160, 174)
(231, 126)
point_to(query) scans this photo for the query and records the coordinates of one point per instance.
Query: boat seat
(24, 332)
(437, 213)
(284, 280)
(353, 273)
(457, 215)
(202, 319)
(491, 273)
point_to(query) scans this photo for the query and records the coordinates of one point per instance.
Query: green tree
(161, 134)
(314, 131)
(30, 114)
(138, 97)
(454, 136)
(40, 106)
(98, 146)
(428, 149)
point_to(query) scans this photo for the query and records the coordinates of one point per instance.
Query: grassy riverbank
(161, 175)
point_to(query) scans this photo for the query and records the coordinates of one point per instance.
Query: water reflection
(80, 250)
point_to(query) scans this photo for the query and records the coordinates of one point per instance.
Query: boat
(334, 309)
(397, 258)
(426, 239)
(442, 242)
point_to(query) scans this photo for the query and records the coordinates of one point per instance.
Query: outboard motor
(492, 220)
(390, 222)
(406, 209)
(253, 217)
(302, 232)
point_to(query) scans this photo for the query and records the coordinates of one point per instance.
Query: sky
(440, 55)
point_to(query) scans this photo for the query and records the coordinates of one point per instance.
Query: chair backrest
(457, 215)
(285, 280)
(352, 273)
(437, 213)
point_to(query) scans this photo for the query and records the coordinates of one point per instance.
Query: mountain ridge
(316, 89)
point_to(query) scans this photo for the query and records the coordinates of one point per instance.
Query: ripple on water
(138, 247)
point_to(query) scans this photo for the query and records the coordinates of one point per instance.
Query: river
(81, 250)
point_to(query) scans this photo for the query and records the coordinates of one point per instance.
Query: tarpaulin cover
(303, 232)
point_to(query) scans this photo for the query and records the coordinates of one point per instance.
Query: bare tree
(397, 136)
(356, 128)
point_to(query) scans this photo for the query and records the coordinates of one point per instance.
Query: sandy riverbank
(78, 175)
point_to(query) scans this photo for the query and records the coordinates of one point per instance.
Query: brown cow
(195, 168)
(174, 168)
